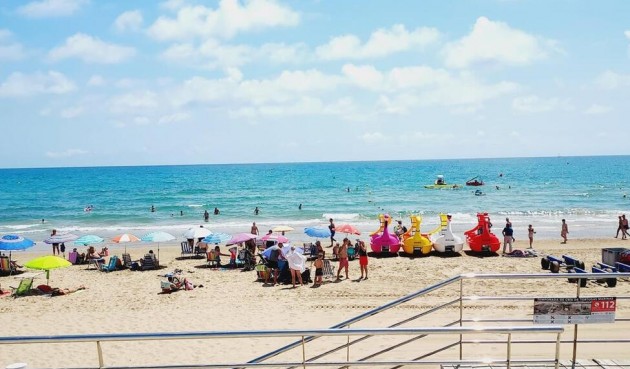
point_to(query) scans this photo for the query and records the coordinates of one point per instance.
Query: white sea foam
(341, 216)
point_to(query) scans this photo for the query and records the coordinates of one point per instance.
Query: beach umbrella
(217, 238)
(275, 237)
(283, 228)
(197, 232)
(47, 263)
(88, 240)
(348, 229)
(317, 232)
(125, 238)
(287, 248)
(12, 242)
(267, 252)
(158, 237)
(241, 237)
(61, 238)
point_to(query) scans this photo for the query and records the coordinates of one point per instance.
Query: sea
(589, 192)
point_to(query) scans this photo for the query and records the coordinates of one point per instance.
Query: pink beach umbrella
(348, 229)
(275, 237)
(241, 237)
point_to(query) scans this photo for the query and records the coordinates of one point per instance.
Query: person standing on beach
(55, 246)
(530, 234)
(342, 253)
(254, 229)
(363, 259)
(620, 228)
(624, 227)
(508, 237)
(564, 231)
(331, 226)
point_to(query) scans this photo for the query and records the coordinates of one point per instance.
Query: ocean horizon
(589, 191)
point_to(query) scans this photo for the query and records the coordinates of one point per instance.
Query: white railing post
(509, 350)
(100, 354)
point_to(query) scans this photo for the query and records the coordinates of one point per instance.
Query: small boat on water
(475, 182)
(440, 183)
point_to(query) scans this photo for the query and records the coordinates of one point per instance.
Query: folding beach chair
(150, 262)
(96, 262)
(23, 288)
(187, 249)
(262, 272)
(5, 266)
(212, 259)
(329, 272)
(126, 261)
(111, 266)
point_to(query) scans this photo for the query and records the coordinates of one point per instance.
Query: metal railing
(460, 321)
(130, 337)
(455, 326)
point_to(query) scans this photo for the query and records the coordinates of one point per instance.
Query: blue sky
(90, 83)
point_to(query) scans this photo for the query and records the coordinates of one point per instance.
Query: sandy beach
(129, 301)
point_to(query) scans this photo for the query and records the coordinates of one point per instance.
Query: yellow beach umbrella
(47, 263)
(282, 228)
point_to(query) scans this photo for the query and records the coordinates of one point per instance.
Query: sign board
(578, 310)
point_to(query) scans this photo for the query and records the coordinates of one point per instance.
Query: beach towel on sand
(529, 253)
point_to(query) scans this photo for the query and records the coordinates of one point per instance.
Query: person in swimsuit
(319, 269)
(254, 229)
(343, 258)
(564, 231)
(363, 259)
(530, 234)
(55, 246)
(331, 226)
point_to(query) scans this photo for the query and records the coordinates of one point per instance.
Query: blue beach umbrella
(88, 240)
(317, 232)
(158, 237)
(12, 242)
(217, 238)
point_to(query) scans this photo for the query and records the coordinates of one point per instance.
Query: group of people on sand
(623, 227)
(296, 262)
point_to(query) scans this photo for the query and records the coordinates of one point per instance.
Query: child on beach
(319, 269)
(530, 234)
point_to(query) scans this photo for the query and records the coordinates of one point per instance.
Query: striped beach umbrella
(125, 238)
(61, 238)
(12, 242)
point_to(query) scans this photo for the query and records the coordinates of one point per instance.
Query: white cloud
(212, 54)
(496, 43)
(96, 81)
(65, 154)
(535, 104)
(129, 21)
(610, 80)
(173, 118)
(597, 109)
(91, 50)
(71, 112)
(134, 102)
(9, 49)
(22, 85)
(229, 19)
(173, 5)
(373, 137)
(382, 42)
(51, 8)
(423, 86)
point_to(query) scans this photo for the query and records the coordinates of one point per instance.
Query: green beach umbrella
(47, 263)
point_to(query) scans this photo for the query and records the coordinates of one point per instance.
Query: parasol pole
(47, 277)
(158, 257)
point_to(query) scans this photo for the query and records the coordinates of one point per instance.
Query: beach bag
(306, 276)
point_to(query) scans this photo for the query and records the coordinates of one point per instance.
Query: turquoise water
(587, 191)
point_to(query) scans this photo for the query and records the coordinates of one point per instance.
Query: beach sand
(129, 301)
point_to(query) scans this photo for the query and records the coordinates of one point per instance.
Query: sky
(99, 83)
